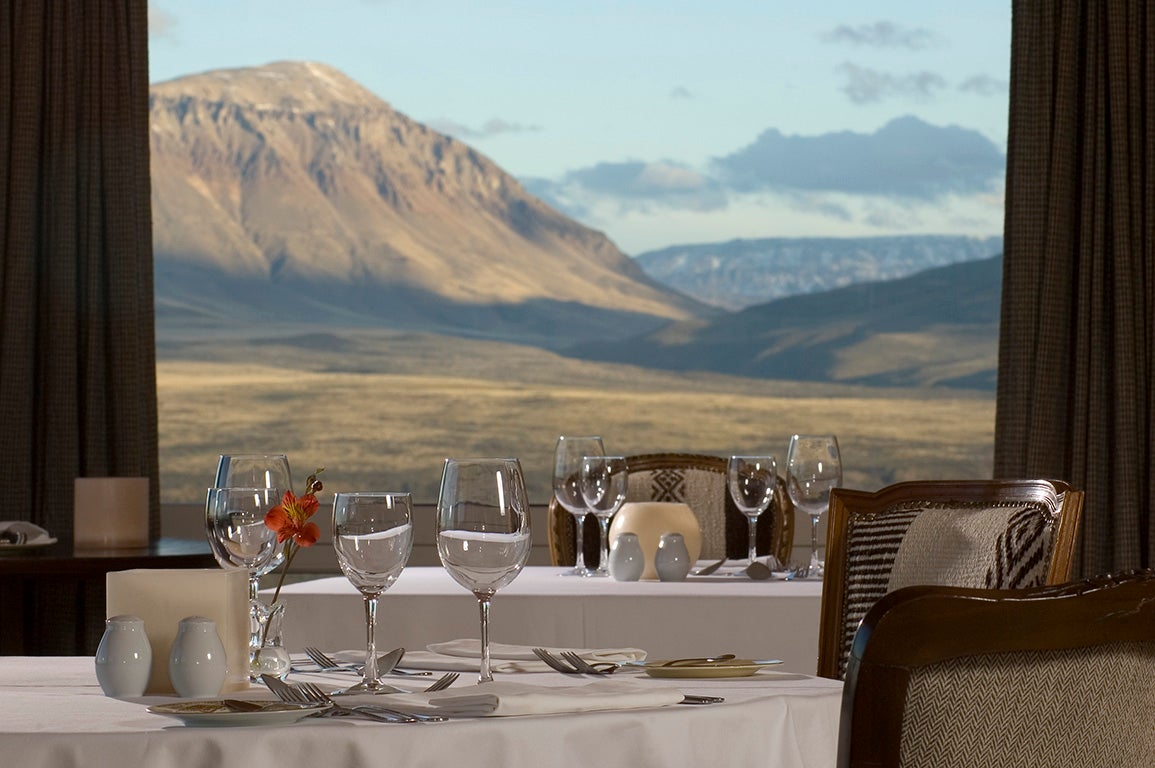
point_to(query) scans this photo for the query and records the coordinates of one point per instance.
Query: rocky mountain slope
(934, 328)
(289, 193)
(740, 273)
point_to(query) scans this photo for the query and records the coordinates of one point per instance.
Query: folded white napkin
(504, 698)
(465, 656)
(32, 533)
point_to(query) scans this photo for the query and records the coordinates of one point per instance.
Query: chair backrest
(699, 481)
(1051, 676)
(1003, 534)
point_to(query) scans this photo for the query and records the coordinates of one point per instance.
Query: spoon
(706, 570)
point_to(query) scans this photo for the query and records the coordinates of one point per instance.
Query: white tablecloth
(701, 616)
(53, 715)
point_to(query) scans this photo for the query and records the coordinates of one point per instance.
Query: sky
(667, 122)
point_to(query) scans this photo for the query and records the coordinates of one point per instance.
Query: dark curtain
(77, 349)
(1075, 393)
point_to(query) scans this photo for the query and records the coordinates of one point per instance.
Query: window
(361, 293)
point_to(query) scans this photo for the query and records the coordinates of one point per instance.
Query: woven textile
(872, 544)
(1015, 709)
(951, 547)
(703, 491)
(945, 547)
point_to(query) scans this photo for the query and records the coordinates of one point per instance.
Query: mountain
(741, 273)
(289, 193)
(935, 328)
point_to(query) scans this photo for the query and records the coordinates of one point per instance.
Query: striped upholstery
(1001, 709)
(1017, 557)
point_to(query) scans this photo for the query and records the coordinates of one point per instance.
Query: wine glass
(372, 536)
(567, 460)
(256, 470)
(239, 539)
(604, 480)
(751, 480)
(813, 467)
(483, 531)
(237, 534)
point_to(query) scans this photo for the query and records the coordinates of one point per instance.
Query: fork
(296, 695)
(443, 682)
(314, 693)
(554, 662)
(386, 662)
(586, 668)
(578, 662)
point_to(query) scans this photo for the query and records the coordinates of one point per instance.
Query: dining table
(53, 714)
(724, 612)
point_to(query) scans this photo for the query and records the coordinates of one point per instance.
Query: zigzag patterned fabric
(1022, 551)
(871, 546)
(703, 491)
(1018, 709)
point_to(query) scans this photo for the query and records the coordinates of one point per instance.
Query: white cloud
(883, 34)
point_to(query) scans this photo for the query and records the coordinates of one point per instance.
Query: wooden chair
(1003, 534)
(698, 480)
(1057, 676)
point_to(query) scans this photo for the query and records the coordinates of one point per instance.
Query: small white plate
(727, 668)
(36, 544)
(217, 713)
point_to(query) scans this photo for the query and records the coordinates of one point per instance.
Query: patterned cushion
(877, 561)
(703, 491)
(951, 547)
(1015, 709)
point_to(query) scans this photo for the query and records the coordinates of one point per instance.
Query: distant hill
(740, 273)
(935, 328)
(290, 193)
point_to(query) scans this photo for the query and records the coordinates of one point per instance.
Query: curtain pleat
(1077, 335)
(77, 340)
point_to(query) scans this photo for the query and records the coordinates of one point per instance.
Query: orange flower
(291, 519)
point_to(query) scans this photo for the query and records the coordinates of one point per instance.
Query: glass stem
(580, 521)
(369, 674)
(483, 604)
(254, 585)
(814, 540)
(604, 541)
(753, 540)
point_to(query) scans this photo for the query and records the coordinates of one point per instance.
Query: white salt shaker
(124, 657)
(627, 561)
(672, 561)
(197, 664)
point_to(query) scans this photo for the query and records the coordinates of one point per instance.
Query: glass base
(377, 687)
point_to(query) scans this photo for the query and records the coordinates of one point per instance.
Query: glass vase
(267, 652)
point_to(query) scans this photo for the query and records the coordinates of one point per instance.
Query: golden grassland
(381, 411)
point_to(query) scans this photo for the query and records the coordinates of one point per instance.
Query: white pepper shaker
(627, 561)
(672, 561)
(197, 664)
(124, 657)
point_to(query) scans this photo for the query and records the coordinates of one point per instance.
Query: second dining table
(706, 615)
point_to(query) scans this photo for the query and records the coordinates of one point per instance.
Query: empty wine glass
(813, 467)
(567, 462)
(604, 480)
(236, 530)
(751, 480)
(256, 470)
(483, 531)
(373, 537)
(239, 539)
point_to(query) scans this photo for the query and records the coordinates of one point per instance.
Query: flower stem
(292, 552)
